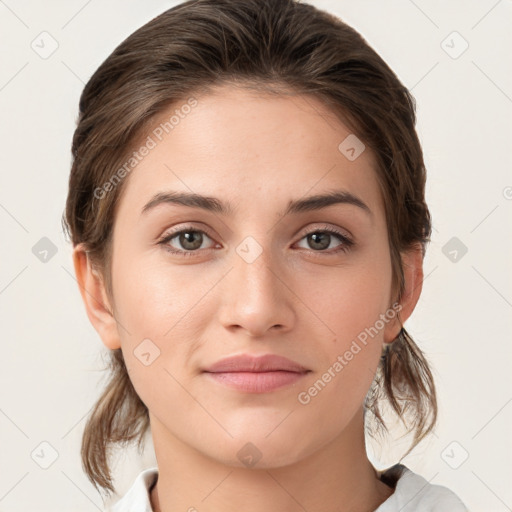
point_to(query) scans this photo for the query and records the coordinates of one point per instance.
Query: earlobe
(95, 298)
(412, 264)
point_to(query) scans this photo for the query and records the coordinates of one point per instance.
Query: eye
(320, 239)
(188, 240)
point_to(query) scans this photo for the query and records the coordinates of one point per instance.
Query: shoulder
(137, 498)
(414, 493)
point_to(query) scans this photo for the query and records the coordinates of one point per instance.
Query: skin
(257, 152)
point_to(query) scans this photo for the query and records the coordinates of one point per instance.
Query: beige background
(51, 357)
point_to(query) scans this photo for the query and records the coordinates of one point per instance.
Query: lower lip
(257, 382)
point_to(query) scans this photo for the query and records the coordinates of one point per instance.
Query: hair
(267, 45)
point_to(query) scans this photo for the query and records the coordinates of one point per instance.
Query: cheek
(350, 303)
(351, 308)
(159, 310)
(347, 300)
(154, 299)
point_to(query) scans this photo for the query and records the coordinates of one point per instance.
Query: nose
(257, 296)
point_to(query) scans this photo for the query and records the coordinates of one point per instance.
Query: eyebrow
(215, 205)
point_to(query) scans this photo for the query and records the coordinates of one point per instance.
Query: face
(310, 282)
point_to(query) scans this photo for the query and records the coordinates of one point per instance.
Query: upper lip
(248, 363)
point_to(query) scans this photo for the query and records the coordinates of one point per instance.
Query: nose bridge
(256, 298)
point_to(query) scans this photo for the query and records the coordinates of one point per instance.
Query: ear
(95, 298)
(412, 264)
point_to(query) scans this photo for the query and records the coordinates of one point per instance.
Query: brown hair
(269, 45)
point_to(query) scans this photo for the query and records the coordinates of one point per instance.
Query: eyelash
(345, 247)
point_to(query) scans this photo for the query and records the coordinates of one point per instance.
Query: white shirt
(412, 493)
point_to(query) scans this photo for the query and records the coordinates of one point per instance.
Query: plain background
(51, 358)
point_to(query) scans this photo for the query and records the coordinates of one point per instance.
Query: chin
(256, 451)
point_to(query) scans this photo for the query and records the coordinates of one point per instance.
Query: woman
(246, 206)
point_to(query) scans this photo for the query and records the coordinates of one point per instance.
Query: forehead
(251, 148)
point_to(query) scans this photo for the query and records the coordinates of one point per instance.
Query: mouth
(257, 382)
(261, 374)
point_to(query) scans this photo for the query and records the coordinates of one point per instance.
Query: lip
(261, 374)
(248, 363)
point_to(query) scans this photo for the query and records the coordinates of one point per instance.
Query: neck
(337, 477)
